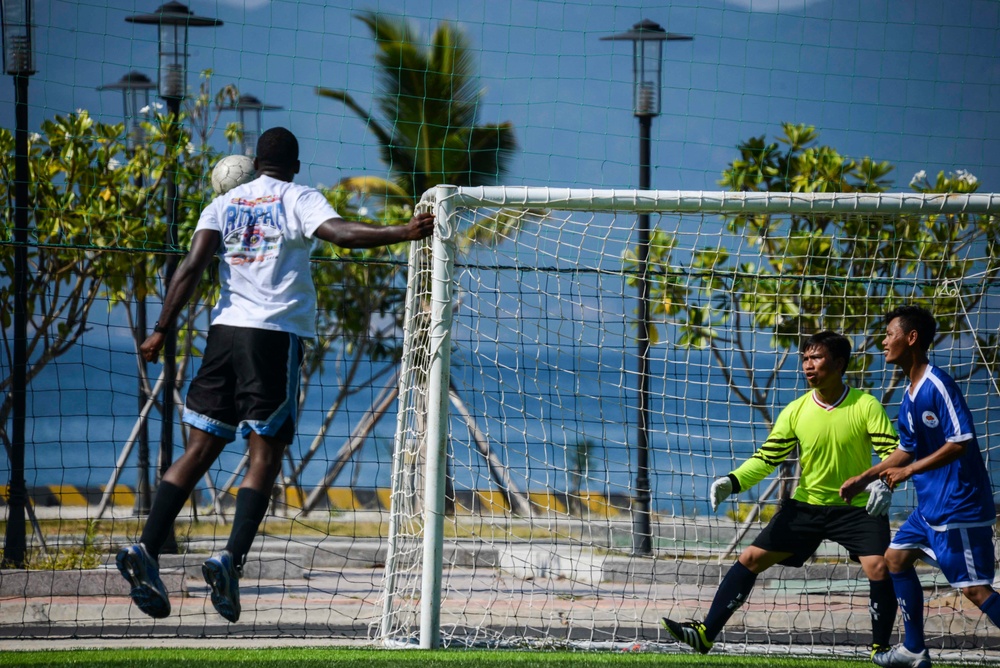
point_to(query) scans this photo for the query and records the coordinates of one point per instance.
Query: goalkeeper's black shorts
(799, 528)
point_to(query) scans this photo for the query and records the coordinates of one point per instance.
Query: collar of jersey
(830, 407)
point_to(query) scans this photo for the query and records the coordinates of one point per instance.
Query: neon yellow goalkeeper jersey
(835, 443)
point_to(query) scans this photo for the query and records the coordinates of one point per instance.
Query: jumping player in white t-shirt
(952, 526)
(247, 383)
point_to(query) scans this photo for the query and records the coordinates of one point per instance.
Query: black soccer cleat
(690, 633)
(223, 578)
(143, 573)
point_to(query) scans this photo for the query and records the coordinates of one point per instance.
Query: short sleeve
(957, 420)
(313, 210)
(907, 441)
(210, 218)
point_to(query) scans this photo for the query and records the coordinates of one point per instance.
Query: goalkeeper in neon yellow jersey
(835, 429)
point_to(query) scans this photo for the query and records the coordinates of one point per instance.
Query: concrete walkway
(310, 592)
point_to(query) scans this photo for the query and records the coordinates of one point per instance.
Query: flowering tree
(803, 274)
(809, 273)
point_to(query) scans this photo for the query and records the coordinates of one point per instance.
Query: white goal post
(514, 482)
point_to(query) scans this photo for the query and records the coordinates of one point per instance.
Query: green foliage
(428, 130)
(802, 166)
(428, 133)
(89, 554)
(360, 291)
(98, 219)
(743, 511)
(803, 274)
(82, 200)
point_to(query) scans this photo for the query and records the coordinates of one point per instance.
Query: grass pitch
(376, 658)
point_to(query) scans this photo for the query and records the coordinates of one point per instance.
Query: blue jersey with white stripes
(933, 413)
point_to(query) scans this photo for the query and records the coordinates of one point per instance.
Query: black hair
(838, 345)
(915, 318)
(278, 147)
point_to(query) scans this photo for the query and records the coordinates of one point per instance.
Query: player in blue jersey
(952, 526)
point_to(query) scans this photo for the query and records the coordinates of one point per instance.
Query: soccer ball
(232, 171)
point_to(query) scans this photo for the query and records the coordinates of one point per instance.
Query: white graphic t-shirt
(267, 227)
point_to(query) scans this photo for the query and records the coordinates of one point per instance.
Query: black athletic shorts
(799, 528)
(248, 381)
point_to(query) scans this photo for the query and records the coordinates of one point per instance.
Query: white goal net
(580, 365)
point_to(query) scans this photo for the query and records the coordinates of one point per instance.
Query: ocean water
(533, 410)
(534, 407)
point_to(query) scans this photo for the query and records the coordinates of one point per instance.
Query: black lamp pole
(251, 111)
(647, 40)
(173, 20)
(18, 57)
(18, 60)
(135, 87)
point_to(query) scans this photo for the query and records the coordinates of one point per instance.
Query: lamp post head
(135, 87)
(647, 39)
(251, 111)
(173, 19)
(18, 36)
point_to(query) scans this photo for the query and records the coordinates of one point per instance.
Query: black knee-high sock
(733, 592)
(882, 605)
(167, 504)
(251, 506)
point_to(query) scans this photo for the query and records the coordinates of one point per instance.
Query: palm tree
(428, 134)
(429, 103)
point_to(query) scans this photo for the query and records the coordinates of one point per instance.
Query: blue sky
(916, 83)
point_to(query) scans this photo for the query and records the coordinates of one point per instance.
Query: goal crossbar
(648, 201)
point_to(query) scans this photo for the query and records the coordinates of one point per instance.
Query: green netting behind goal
(389, 99)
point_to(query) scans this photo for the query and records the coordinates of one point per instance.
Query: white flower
(114, 163)
(150, 107)
(34, 137)
(966, 177)
(918, 177)
(189, 149)
(363, 211)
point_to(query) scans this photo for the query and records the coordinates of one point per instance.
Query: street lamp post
(18, 60)
(251, 111)
(647, 39)
(173, 20)
(135, 88)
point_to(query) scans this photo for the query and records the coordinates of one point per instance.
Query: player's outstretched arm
(356, 234)
(943, 456)
(204, 245)
(854, 486)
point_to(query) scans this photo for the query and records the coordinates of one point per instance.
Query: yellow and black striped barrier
(345, 499)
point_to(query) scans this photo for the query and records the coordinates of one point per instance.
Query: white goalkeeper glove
(721, 489)
(880, 498)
